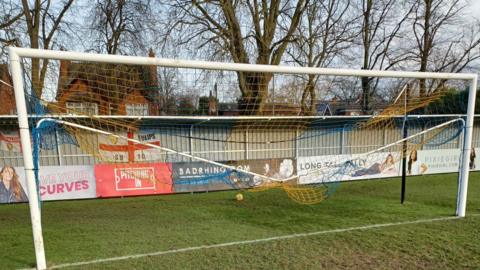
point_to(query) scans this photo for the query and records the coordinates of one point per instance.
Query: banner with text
(62, 182)
(380, 165)
(333, 168)
(202, 176)
(133, 179)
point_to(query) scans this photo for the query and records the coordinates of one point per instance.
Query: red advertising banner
(133, 179)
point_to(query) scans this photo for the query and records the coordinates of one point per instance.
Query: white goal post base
(16, 54)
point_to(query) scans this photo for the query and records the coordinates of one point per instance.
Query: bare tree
(167, 83)
(444, 39)
(246, 31)
(343, 89)
(380, 24)
(43, 22)
(324, 34)
(10, 18)
(118, 26)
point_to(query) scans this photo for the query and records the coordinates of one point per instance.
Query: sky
(475, 7)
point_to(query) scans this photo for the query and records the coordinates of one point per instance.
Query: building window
(137, 109)
(111, 108)
(88, 108)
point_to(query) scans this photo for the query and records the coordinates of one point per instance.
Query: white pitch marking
(282, 237)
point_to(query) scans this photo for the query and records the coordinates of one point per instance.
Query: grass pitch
(77, 231)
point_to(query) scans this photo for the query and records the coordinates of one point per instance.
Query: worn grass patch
(94, 229)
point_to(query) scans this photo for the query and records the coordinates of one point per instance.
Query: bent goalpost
(269, 120)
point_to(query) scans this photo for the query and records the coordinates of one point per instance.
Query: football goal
(171, 126)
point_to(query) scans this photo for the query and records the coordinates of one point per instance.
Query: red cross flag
(116, 149)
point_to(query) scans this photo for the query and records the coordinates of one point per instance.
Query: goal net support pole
(16, 54)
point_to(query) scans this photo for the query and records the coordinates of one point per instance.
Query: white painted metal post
(27, 159)
(190, 141)
(59, 148)
(467, 144)
(246, 144)
(297, 134)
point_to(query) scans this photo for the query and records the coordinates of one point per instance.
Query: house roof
(324, 109)
(111, 81)
(340, 107)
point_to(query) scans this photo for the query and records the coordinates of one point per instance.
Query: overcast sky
(475, 7)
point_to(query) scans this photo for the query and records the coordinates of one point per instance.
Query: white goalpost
(17, 54)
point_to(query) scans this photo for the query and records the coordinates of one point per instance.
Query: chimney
(152, 72)
(152, 84)
(212, 103)
(64, 65)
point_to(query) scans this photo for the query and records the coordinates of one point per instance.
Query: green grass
(92, 229)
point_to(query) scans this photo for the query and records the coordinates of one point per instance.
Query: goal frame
(16, 55)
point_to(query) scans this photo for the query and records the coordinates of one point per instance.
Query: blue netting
(46, 136)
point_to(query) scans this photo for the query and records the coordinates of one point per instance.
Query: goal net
(243, 127)
(182, 126)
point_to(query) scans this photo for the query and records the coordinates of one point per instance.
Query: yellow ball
(239, 197)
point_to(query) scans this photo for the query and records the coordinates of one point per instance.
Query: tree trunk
(309, 107)
(254, 88)
(427, 46)
(366, 108)
(366, 55)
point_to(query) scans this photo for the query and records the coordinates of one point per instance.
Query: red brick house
(6, 92)
(107, 89)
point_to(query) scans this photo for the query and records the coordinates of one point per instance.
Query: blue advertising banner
(202, 176)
